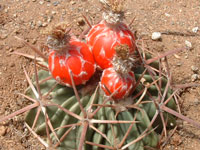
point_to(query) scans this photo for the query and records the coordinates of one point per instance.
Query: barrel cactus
(130, 123)
(124, 101)
(119, 107)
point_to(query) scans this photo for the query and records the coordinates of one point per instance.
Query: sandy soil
(27, 18)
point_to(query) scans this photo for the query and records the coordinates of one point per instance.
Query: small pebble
(2, 130)
(3, 35)
(32, 26)
(55, 3)
(63, 12)
(7, 47)
(195, 29)
(179, 64)
(12, 65)
(15, 15)
(188, 44)
(53, 12)
(6, 10)
(80, 21)
(156, 36)
(194, 68)
(73, 2)
(44, 24)
(196, 101)
(39, 23)
(34, 41)
(194, 77)
(177, 56)
(128, 13)
(41, 2)
(167, 15)
(186, 57)
(50, 19)
(11, 50)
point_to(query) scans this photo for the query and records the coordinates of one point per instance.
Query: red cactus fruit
(102, 39)
(75, 57)
(111, 82)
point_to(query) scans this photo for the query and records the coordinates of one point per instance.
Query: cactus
(83, 118)
(79, 117)
(128, 124)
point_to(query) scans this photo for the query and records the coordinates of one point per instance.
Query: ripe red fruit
(77, 58)
(111, 82)
(103, 38)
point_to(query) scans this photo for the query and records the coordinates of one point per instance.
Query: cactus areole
(110, 32)
(70, 55)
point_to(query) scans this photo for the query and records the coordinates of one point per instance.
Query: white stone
(195, 29)
(41, 2)
(39, 23)
(156, 36)
(194, 77)
(2, 130)
(188, 44)
(167, 15)
(53, 12)
(194, 68)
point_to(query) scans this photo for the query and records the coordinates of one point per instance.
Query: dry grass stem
(164, 55)
(28, 56)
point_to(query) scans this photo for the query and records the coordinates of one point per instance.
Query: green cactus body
(65, 97)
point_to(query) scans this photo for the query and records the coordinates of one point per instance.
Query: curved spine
(134, 134)
(152, 138)
(55, 119)
(113, 131)
(97, 138)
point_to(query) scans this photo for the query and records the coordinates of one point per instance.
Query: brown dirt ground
(21, 18)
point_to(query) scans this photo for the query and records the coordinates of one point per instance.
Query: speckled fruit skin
(77, 58)
(114, 81)
(103, 38)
